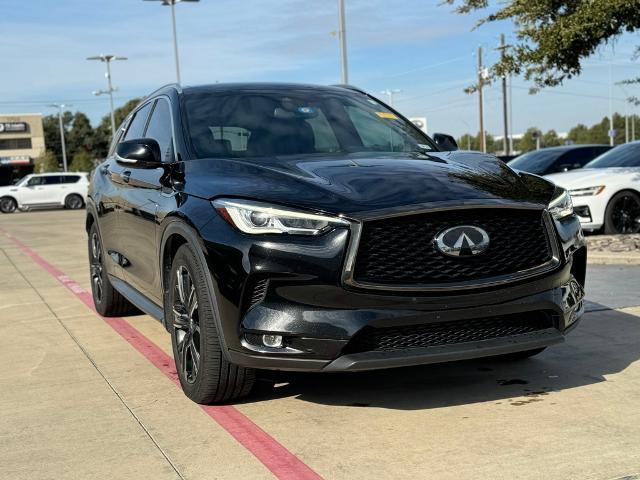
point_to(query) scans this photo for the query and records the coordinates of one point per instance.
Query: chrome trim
(356, 233)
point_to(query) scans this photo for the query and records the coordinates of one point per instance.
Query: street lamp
(342, 35)
(172, 4)
(390, 94)
(61, 107)
(109, 91)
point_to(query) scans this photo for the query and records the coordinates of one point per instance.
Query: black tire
(623, 213)
(107, 300)
(73, 202)
(205, 375)
(511, 357)
(8, 205)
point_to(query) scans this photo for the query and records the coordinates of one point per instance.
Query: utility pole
(110, 89)
(390, 94)
(172, 4)
(342, 35)
(611, 132)
(505, 116)
(61, 107)
(483, 139)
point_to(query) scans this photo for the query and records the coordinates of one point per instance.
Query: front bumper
(292, 287)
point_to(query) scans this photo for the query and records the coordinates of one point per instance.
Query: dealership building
(21, 142)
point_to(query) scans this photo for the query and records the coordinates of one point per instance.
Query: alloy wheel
(625, 215)
(186, 324)
(7, 205)
(74, 202)
(96, 267)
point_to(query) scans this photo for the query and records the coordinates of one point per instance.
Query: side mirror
(445, 142)
(139, 153)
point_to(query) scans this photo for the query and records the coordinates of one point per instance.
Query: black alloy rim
(96, 267)
(186, 324)
(626, 214)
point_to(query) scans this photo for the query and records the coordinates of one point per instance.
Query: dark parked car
(294, 227)
(557, 159)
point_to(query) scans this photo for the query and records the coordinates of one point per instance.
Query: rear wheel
(623, 213)
(107, 300)
(8, 205)
(73, 202)
(521, 355)
(205, 375)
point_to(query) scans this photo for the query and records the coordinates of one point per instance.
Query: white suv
(67, 190)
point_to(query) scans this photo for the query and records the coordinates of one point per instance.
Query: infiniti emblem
(462, 241)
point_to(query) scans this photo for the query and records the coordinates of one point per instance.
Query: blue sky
(417, 46)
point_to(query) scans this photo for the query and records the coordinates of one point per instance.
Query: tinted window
(627, 155)
(295, 122)
(70, 178)
(160, 129)
(136, 127)
(35, 181)
(535, 162)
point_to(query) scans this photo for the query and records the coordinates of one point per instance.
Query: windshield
(627, 155)
(295, 122)
(535, 162)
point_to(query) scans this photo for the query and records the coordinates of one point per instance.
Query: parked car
(68, 190)
(557, 159)
(308, 228)
(606, 192)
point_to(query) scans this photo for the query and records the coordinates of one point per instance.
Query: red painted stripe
(280, 461)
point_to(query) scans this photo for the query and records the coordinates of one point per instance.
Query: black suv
(557, 159)
(296, 227)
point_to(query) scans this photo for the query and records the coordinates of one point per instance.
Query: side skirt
(137, 298)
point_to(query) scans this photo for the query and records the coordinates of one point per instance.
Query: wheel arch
(177, 233)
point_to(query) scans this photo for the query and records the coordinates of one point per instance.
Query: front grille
(447, 333)
(401, 250)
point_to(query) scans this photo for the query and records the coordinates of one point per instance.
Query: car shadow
(604, 343)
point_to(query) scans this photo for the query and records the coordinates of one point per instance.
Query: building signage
(15, 161)
(13, 127)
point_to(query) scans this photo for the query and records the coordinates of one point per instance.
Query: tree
(51, 126)
(579, 134)
(80, 137)
(554, 37)
(46, 162)
(528, 141)
(82, 162)
(551, 139)
(102, 138)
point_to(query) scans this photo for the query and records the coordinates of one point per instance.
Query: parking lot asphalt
(81, 400)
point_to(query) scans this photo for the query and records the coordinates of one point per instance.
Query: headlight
(586, 192)
(561, 205)
(259, 218)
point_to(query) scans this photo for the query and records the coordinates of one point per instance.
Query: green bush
(46, 162)
(82, 162)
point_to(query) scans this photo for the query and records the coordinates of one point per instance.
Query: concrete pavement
(78, 401)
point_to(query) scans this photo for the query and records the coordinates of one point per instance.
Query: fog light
(273, 341)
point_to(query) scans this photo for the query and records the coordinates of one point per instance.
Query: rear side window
(138, 123)
(160, 129)
(70, 178)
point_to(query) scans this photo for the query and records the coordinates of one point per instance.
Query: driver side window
(138, 123)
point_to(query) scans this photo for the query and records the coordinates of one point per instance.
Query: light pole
(342, 35)
(60, 107)
(109, 91)
(390, 94)
(172, 4)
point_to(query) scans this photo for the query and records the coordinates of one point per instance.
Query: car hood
(8, 189)
(591, 177)
(354, 183)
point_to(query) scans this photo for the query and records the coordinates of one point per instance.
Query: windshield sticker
(388, 115)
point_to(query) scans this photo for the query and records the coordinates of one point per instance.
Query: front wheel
(73, 202)
(623, 213)
(8, 205)
(205, 375)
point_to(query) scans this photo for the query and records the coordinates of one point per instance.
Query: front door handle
(126, 175)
